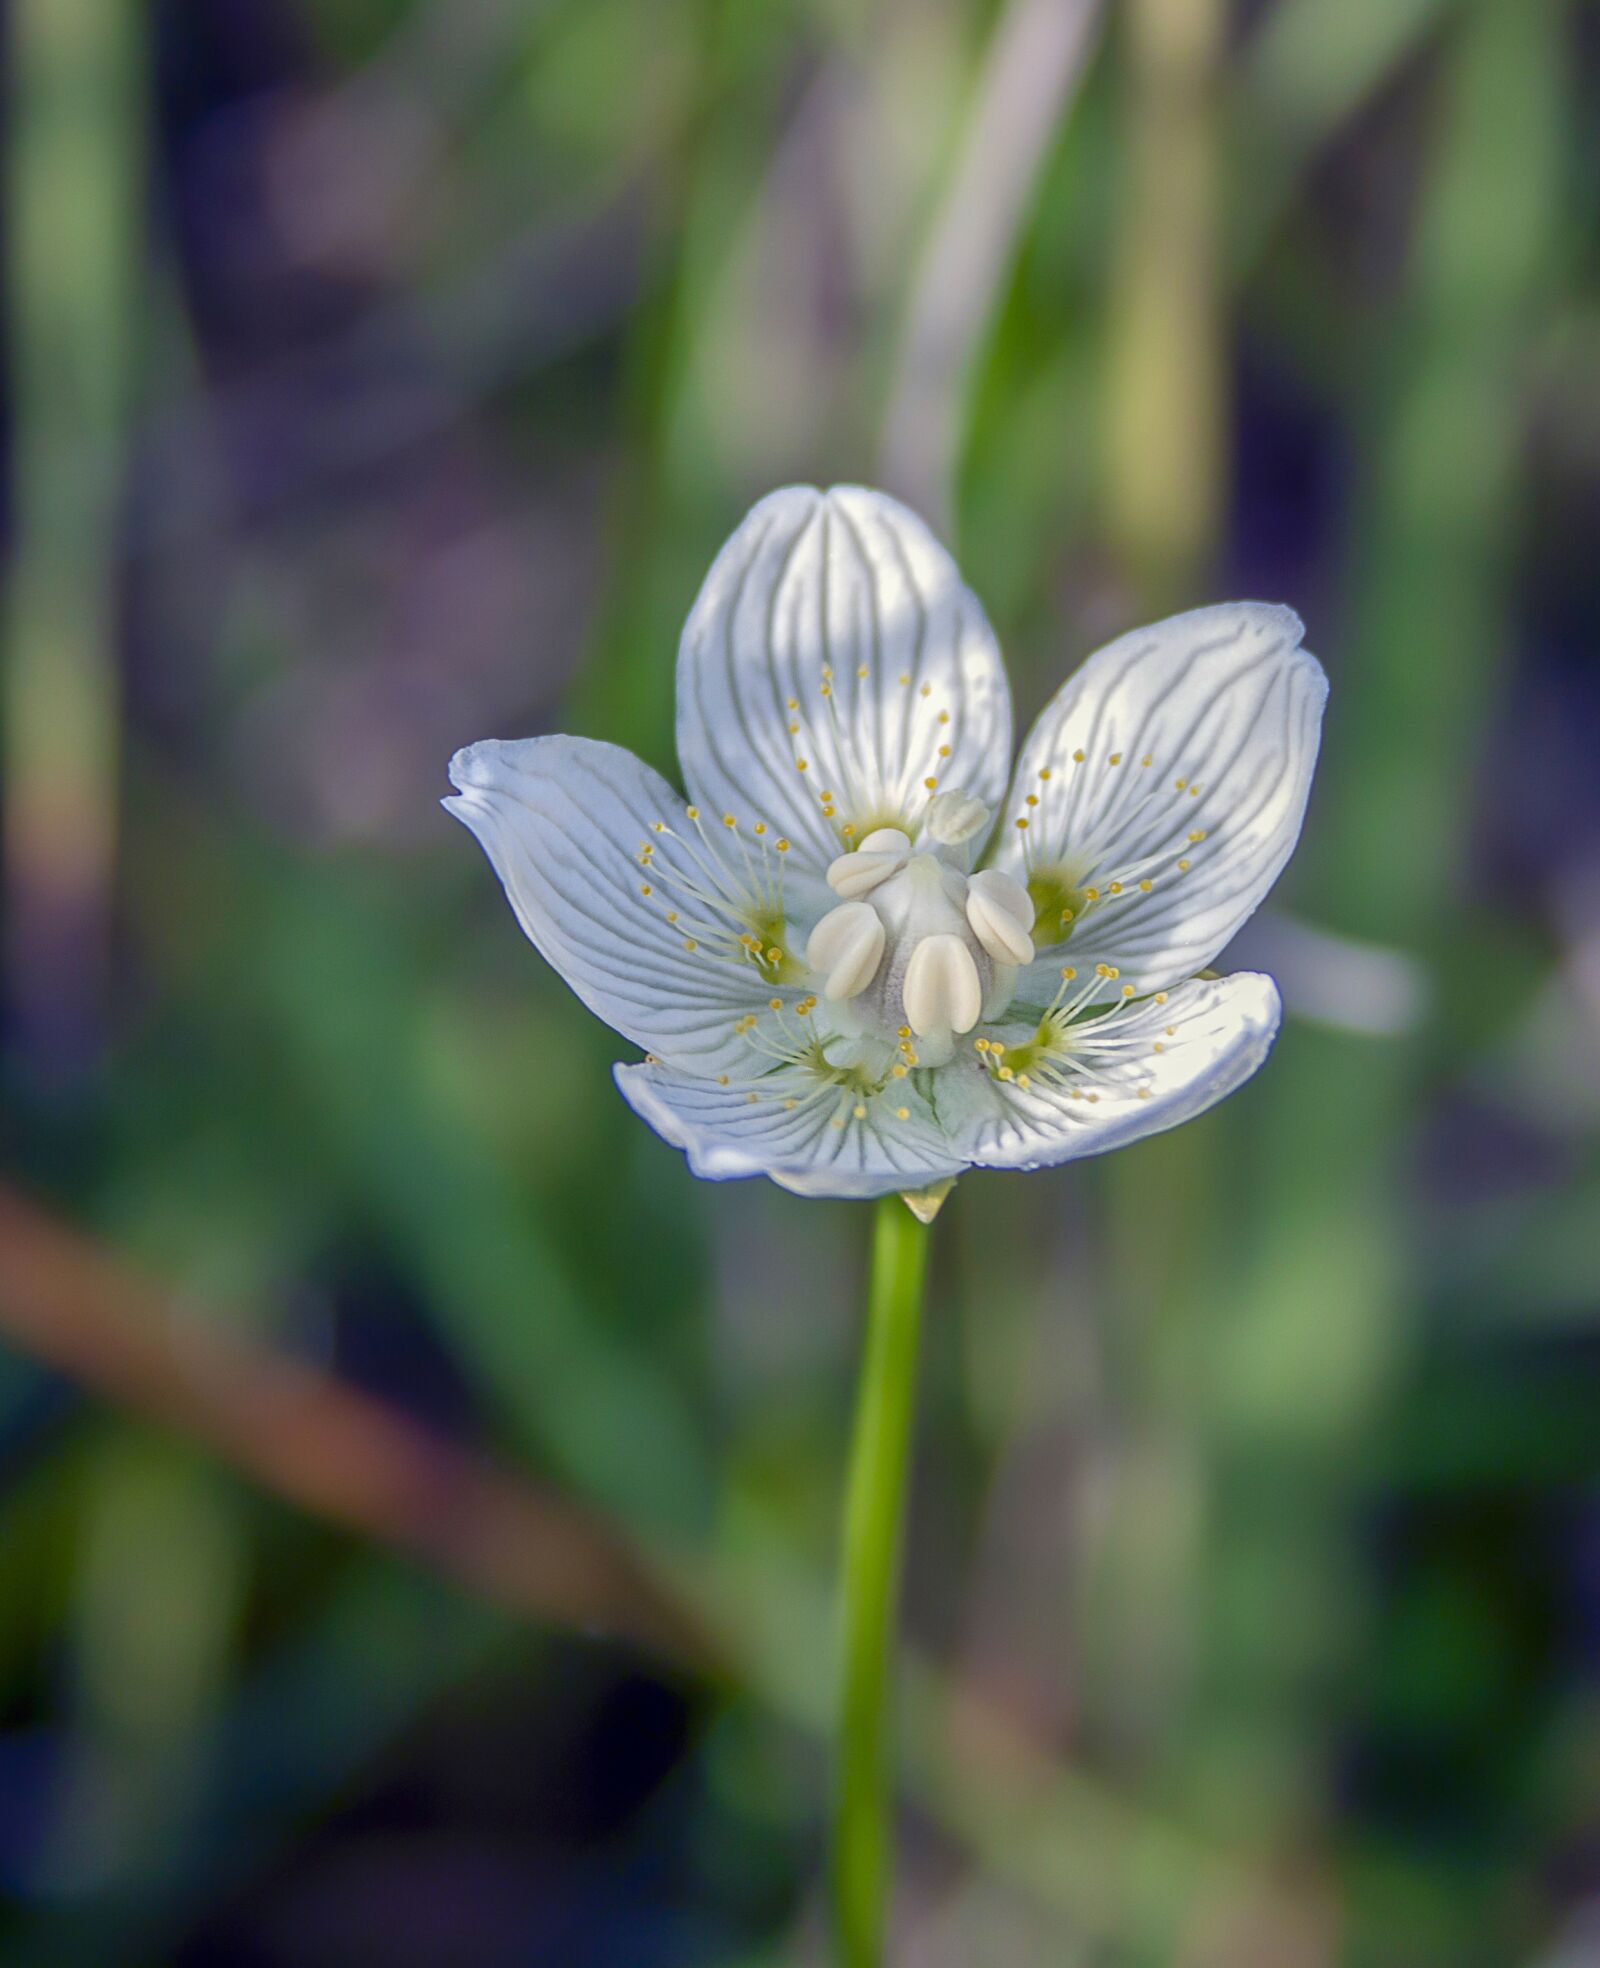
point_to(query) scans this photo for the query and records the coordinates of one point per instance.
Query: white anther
(1001, 914)
(1005, 894)
(942, 992)
(847, 947)
(955, 817)
(882, 854)
(885, 840)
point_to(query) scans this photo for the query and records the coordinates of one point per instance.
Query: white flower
(827, 992)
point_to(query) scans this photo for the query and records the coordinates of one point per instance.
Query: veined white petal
(1129, 1075)
(835, 672)
(565, 822)
(1163, 790)
(827, 1144)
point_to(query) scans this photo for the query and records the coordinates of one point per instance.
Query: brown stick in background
(328, 1448)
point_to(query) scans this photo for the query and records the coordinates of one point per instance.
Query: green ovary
(1048, 1043)
(771, 932)
(1058, 905)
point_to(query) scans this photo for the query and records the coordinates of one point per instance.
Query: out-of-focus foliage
(382, 376)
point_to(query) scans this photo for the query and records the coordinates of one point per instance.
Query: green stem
(873, 1516)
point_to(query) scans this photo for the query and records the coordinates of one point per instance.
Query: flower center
(918, 951)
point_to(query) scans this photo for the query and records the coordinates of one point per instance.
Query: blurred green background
(384, 1412)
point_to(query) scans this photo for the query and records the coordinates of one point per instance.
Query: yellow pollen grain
(1068, 972)
(791, 1105)
(690, 944)
(1148, 759)
(827, 670)
(1022, 823)
(1127, 990)
(930, 784)
(1183, 867)
(827, 690)
(1091, 895)
(1077, 756)
(1179, 784)
(794, 729)
(1145, 887)
(1198, 834)
(944, 717)
(1116, 758)
(862, 672)
(944, 751)
(672, 915)
(793, 703)
(902, 1113)
(1144, 1093)
(927, 690)
(1044, 772)
(904, 680)
(859, 1111)
(1172, 1031)
(760, 827)
(722, 1079)
(802, 765)
(837, 1121)
(899, 1072)
(1032, 800)
(1161, 997)
(1194, 792)
(644, 888)
(692, 812)
(658, 826)
(1094, 1097)
(980, 1045)
(782, 846)
(774, 1004)
(729, 821)
(1115, 889)
(774, 955)
(1023, 1080)
(847, 830)
(752, 1098)
(1158, 1047)
(902, 1031)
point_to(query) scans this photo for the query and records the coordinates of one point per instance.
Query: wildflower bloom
(830, 988)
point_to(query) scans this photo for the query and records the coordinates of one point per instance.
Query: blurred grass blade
(1037, 56)
(1166, 478)
(75, 164)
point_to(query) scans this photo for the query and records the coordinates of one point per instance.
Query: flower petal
(821, 1146)
(565, 822)
(1168, 778)
(1152, 1067)
(835, 670)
